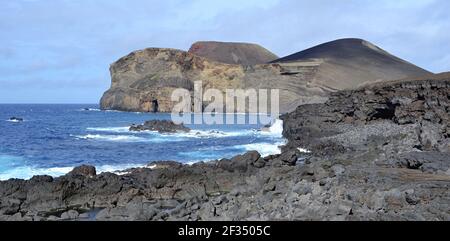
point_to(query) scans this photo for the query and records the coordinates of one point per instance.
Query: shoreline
(378, 153)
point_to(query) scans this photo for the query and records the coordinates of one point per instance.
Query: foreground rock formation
(144, 79)
(380, 152)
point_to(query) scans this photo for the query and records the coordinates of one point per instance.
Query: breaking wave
(123, 138)
(265, 149)
(90, 109)
(27, 172)
(109, 129)
(276, 130)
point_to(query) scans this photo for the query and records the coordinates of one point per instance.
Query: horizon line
(42, 103)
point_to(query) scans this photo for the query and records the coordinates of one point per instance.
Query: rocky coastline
(380, 152)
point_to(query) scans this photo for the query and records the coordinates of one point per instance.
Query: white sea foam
(118, 169)
(121, 138)
(110, 129)
(27, 172)
(190, 163)
(212, 133)
(276, 129)
(265, 149)
(190, 134)
(122, 129)
(14, 121)
(90, 109)
(127, 138)
(303, 150)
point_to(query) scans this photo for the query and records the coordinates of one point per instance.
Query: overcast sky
(59, 51)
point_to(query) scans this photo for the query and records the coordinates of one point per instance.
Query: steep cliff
(144, 79)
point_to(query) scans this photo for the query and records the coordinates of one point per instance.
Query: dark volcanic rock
(418, 108)
(377, 153)
(17, 119)
(162, 126)
(84, 170)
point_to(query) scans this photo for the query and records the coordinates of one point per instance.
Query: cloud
(59, 43)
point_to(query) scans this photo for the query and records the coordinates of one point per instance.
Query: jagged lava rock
(162, 126)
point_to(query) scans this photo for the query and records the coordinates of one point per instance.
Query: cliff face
(144, 80)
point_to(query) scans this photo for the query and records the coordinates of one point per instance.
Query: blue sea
(53, 139)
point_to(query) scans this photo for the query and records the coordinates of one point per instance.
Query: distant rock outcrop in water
(162, 126)
(15, 119)
(380, 152)
(144, 80)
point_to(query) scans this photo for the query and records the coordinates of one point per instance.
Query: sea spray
(277, 127)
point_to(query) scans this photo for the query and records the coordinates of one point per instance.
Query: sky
(59, 51)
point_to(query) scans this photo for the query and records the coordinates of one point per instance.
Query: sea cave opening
(155, 106)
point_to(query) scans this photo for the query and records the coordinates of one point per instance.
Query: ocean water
(53, 139)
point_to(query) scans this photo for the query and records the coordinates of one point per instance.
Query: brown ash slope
(348, 61)
(232, 53)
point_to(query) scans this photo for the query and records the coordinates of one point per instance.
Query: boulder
(84, 170)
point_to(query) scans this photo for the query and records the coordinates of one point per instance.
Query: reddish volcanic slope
(233, 53)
